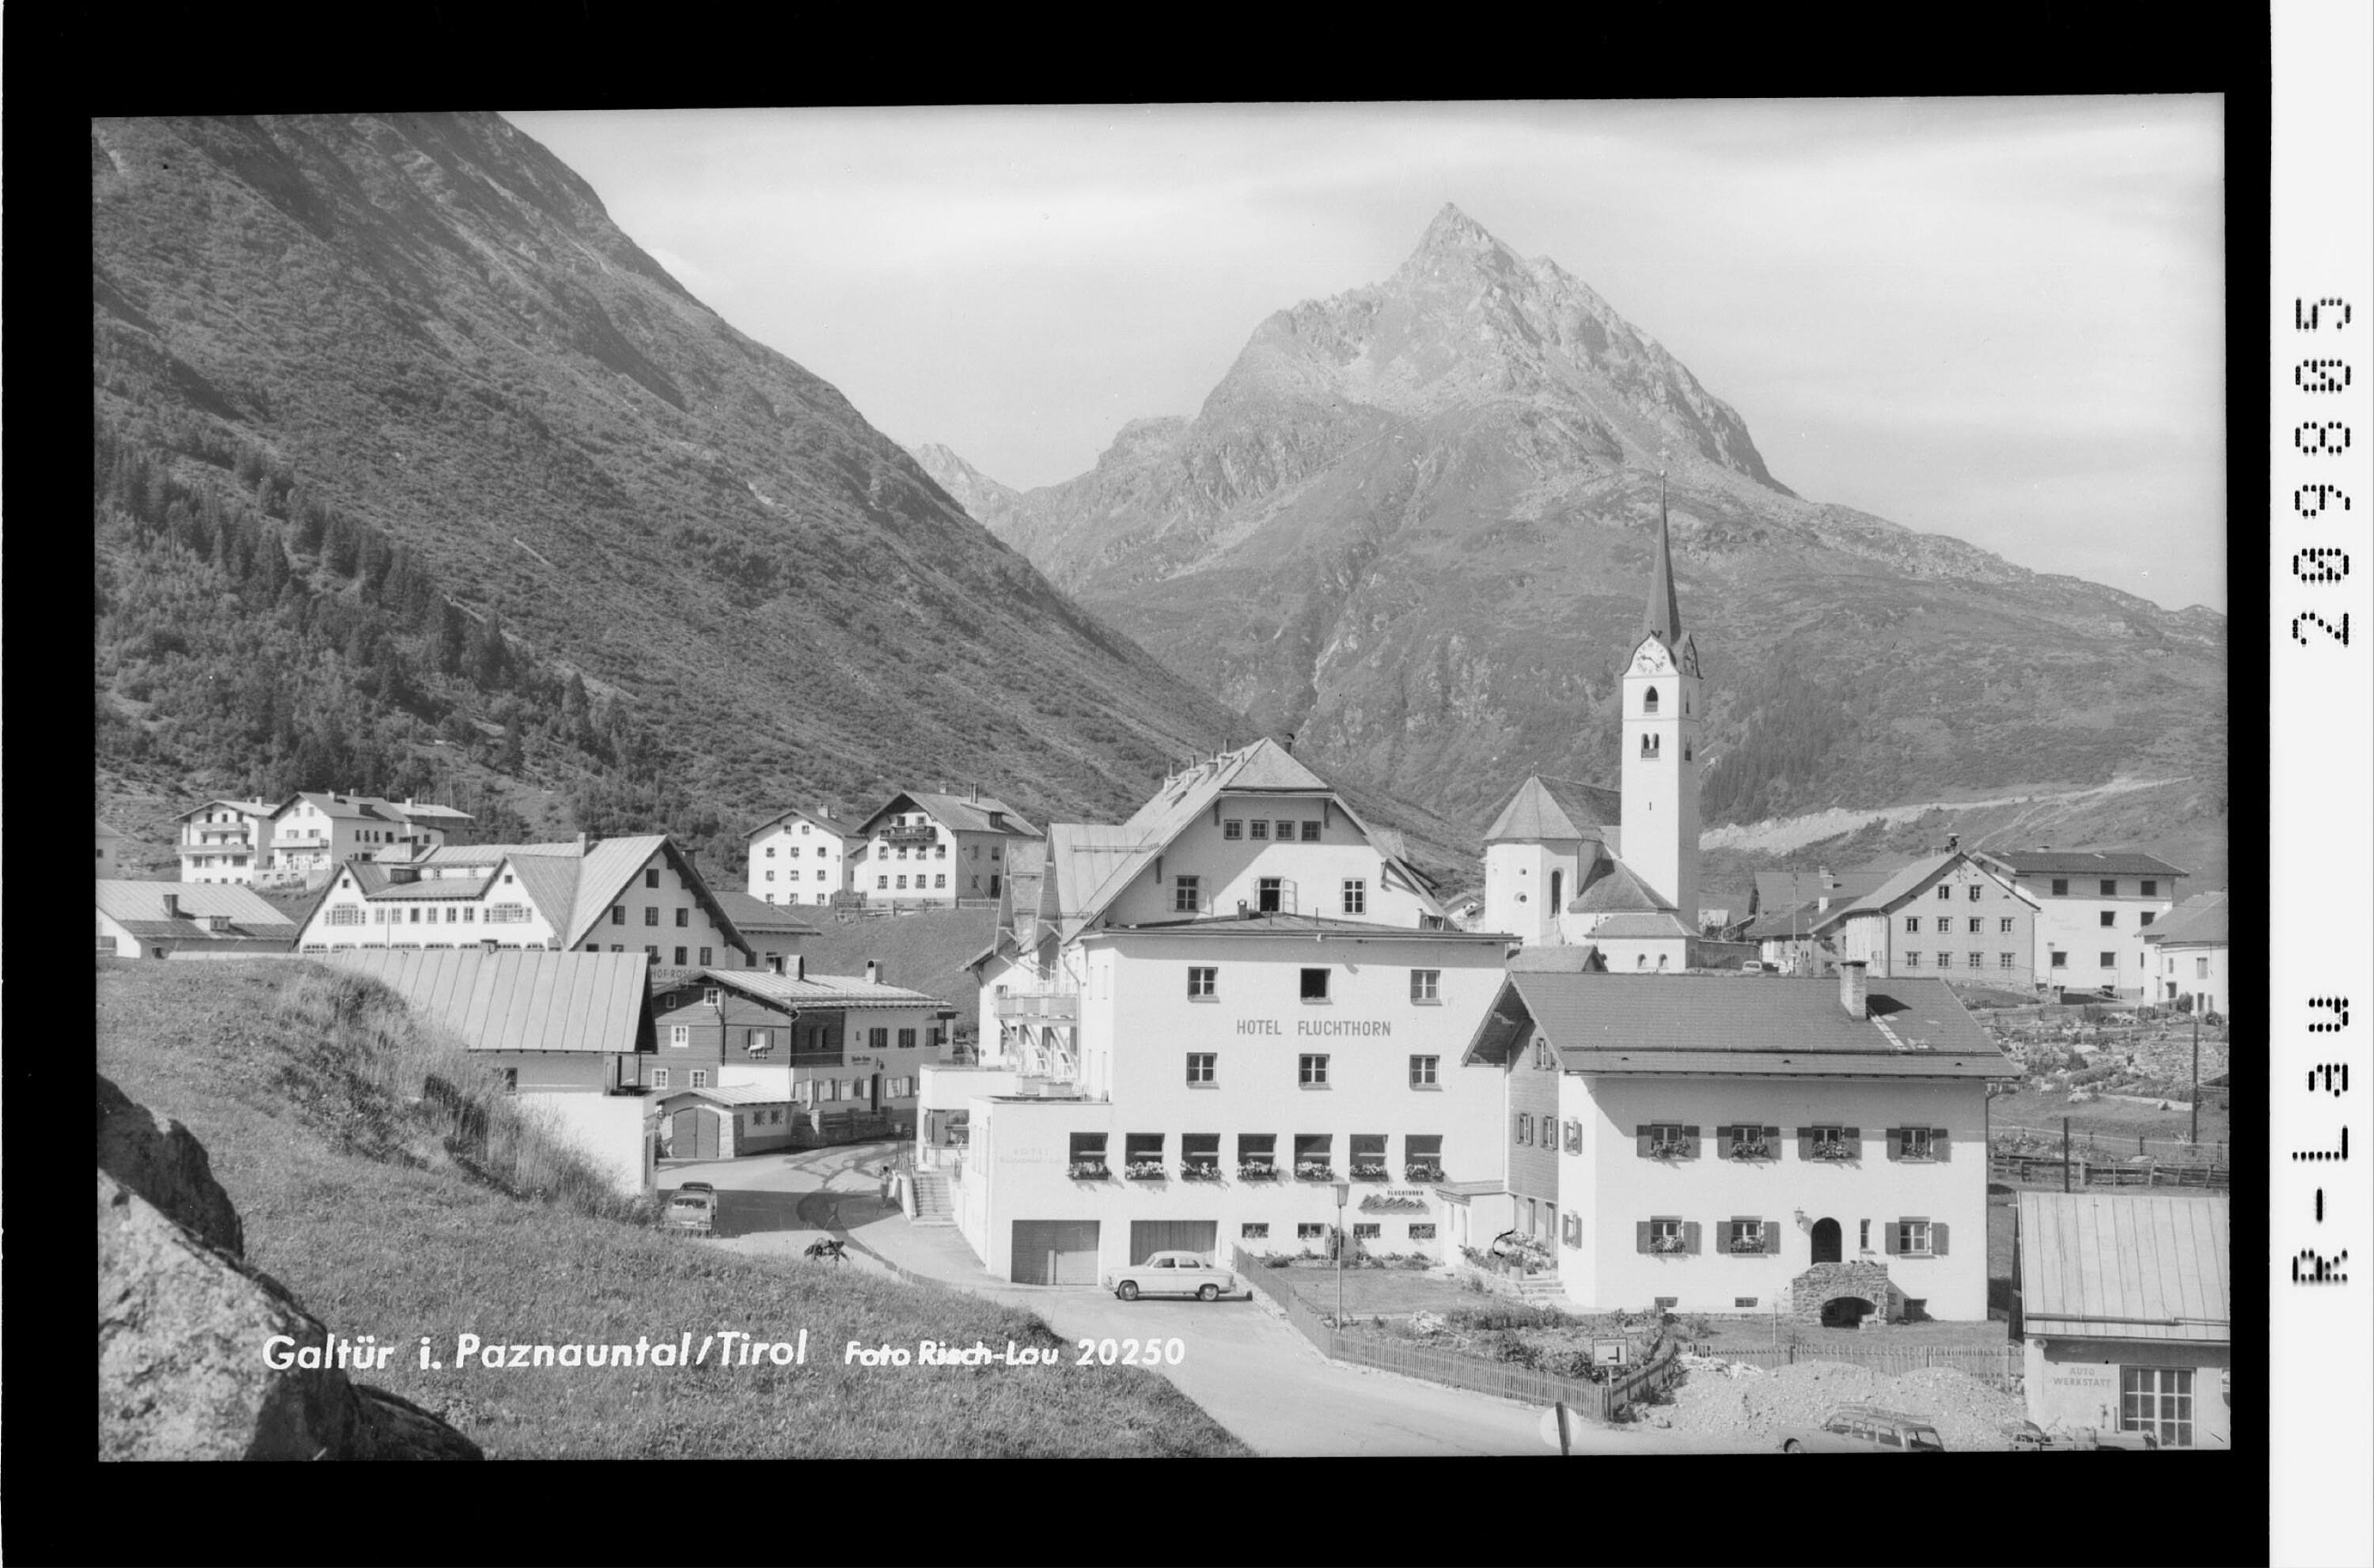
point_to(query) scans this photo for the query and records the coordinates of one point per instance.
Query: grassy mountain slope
(428, 325)
(290, 1077)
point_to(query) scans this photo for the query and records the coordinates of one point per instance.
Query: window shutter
(1772, 1237)
(1888, 1234)
(1896, 1143)
(1805, 1143)
(1689, 1143)
(1690, 1237)
(1640, 1235)
(1722, 1236)
(1937, 1143)
(1772, 1137)
(1937, 1239)
(1723, 1143)
(1854, 1138)
(1641, 1136)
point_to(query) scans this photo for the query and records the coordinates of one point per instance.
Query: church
(1614, 873)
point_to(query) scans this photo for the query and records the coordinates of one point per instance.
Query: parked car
(2026, 1437)
(692, 1207)
(1865, 1429)
(1172, 1274)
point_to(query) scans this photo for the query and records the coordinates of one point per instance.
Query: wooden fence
(1596, 1401)
(2105, 1170)
(1999, 1365)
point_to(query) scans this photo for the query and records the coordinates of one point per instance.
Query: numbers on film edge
(2309, 1265)
(2321, 438)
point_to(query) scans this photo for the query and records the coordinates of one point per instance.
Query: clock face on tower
(1652, 660)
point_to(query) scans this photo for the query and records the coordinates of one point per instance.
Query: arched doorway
(1828, 1242)
(1845, 1312)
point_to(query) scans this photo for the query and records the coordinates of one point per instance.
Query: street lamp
(1343, 1238)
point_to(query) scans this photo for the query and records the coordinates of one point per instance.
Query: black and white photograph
(1364, 781)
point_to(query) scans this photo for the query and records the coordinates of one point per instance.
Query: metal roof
(1724, 1024)
(959, 814)
(2082, 862)
(1791, 889)
(1561, 809)
(2125, 1266)
(820, 818)
(729, 1095)
(1557, 958)
(1664, 923)
(2199, 919)
(1912, 879)
(816, 990)
(1611, 887)
(756, 914)
(134, 904)
(1295, 925)
(517, 998)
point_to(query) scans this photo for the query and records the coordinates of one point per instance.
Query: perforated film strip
(2320, 903)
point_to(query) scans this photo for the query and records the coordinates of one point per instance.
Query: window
(1977, 925)
(2109, 887)
(679, 1036)
(877, 1039)
(1313, 1073)
(1665, 1140)
(1142, 1155)
(2060, 887)
(2004, 926)
(1914, 1238)
(345, 914)
(939, 851)
(1254, 1230)
(1665, 1236)
(704, 958)
(1914, 1143)
(2150, 887)
(1744, 1236)
(1649, 701)
(1273, 891)
(680, 957)
(711, 996)
(1422, 1156)
(2158, 1400)
(651, 876)
(2201, 968)
(1311, 833)
(1314, 1155)
(1912, 959)
(1355, 895)
(700, 1078)
(1203, 1068)
(659, 1078)
(1829, 1142)
(2109, 917)
(1975, 889)
(1256, 1153)
(1912, 923)
(1421, 1232)
(1746, 1141)
(1315, 985)
(1203, 983)
(1944, 959)
(1369, 1232)
(902, 881)
(1423, 1070)
(651, 952)
(1260, 827)
(1976, 960)
(1866, 1236)
(2147, 917)
(1426, 985)
(1944, 891)
(1524, 1133)
(2109, 960)
(650, 914)
(757, 1042)
(1186, 895)
(2002, 961)
(770, 852)
(1650, 746)
(1309, 1233)
(2058, 961)
(1232, 828)
(881, 883)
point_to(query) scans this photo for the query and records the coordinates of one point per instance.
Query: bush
(1507, 1314)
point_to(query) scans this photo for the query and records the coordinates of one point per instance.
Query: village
(1943, 1137)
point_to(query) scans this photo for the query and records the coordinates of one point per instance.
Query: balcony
(1040, 1007)
(808, 1058)
(910, 835)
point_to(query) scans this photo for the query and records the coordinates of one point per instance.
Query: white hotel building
(1194, 1021)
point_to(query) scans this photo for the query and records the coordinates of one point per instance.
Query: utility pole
(2196, 1076)
(2065, 1154)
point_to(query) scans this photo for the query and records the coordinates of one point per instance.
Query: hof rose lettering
(932, 1353)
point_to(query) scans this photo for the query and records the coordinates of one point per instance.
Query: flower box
(1146, 1170)
(1759, 1150)
(1090, 1170)
(1368, 1173)
(1664, 1150)
(1833, 1152)
(1422, 1173)
(1256, 1173)
(1313, 1170)
(1747, 1243)
(1665, 1243)
(1199, 1173)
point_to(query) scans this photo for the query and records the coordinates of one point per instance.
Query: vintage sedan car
(1865, 1429)
(1172, 1274)
(692, 1208)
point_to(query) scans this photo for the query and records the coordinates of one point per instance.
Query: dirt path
(1779, 836)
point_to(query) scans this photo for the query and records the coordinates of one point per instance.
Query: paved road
(1243, 1362)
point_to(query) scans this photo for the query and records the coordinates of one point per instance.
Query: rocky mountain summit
(1413, 524)
(184, 1322)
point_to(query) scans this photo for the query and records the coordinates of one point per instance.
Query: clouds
(1939, 310)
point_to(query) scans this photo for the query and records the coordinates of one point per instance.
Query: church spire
(1663, 620)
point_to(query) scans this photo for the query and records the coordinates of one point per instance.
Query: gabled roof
(1782, 890)
(1094, 864)
(927, 951)
(1282, 924)
(525, 999)
(366, 808)
(2199, 919)
(1897, 889)
(1611, 887)
(816, 990)
(1545, 808)
(488, 854)
(1558, 958)
(1734, 1024)
(2081, 862)
(2125, 1266)
(726, 1094)
(959, 814)
(139, 907)
(609, 865)
(1662, 923)
(548, 881)
(756, 914)
(251, 808)
(820, 817)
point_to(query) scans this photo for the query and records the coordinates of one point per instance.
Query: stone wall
(1828, 1281)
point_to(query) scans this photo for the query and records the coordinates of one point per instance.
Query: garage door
(1054, 1252)
(695, 1135)
(1147, 1237)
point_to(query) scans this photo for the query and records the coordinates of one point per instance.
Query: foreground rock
(164, 1163)
(184, 1326)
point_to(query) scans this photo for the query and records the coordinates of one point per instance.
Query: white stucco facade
(798, 859)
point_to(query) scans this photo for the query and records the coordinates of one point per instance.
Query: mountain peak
(1453, 232)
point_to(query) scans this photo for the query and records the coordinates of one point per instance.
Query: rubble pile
(1970, 1414)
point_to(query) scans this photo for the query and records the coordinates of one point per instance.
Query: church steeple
(1663, 619)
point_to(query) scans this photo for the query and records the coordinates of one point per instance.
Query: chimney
(172, 906)
(873, 971)
(799, 965)
(487, 945)
(1824, 882)
(1854, 988)
(581, 842)
(972, 793)
(1288, 743)
(1952, 842)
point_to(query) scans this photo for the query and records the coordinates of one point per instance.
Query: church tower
(1664, 709)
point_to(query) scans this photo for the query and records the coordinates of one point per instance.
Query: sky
(1998, 319)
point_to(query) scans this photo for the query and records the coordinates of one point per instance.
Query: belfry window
(1649, 703)
(1649, 747)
